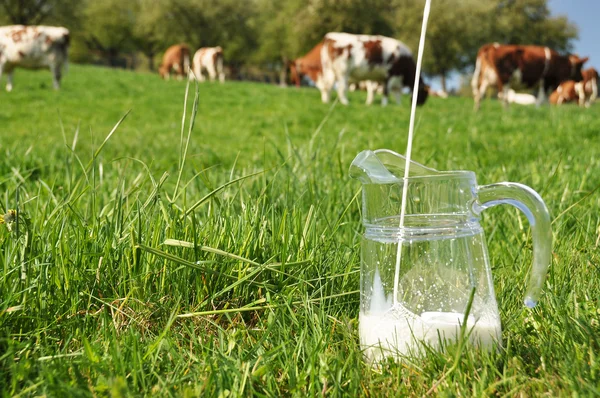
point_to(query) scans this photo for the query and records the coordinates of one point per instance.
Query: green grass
(97, 299)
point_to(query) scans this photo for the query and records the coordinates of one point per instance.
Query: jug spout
(383, 166)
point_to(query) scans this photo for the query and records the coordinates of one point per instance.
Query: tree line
(269, 33)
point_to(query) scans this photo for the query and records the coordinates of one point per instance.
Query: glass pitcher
(419, 281)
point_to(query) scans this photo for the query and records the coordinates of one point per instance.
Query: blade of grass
(215, 191)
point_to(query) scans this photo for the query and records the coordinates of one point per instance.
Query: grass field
(97, 298)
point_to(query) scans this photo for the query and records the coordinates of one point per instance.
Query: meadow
(222, 257)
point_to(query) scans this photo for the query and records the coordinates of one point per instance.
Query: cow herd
(560, 75)
(206, 60)
(381, 62)
(341, 61)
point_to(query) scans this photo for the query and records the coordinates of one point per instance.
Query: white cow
(33, 47)
(378, 59)
(209, 59)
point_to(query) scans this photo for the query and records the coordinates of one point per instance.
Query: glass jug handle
(529, 202)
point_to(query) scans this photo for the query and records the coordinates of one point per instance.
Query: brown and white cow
(33, 47)
(209, 59)
(565, 92)
(177, 60)
(588, 87)
(583, 92)
(497, 64)
(379, 59)
(310, 65)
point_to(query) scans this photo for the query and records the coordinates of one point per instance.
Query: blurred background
(260, 36)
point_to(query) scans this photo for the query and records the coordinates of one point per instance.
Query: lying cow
(566, 92)
(497, 64)
(209, 59)
(346, 57)
(583, 92)
(33, 47)
(177, 60)
(588, 87)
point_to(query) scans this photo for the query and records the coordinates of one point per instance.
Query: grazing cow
(33, 47)
(211, 60)
(588, 87)
(497, 64)
(564, 93)
(310, 65)
(177, 60)
(346, 57)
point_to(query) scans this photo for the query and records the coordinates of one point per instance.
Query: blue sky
(585, 14)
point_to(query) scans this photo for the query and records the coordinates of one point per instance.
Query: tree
(374, 17)
(109, 28)
(456, 30)
(453, 36)
(34, 12)
(280, 32)
(530, 22)
(151, 33)
(209, 23)
(289, 29)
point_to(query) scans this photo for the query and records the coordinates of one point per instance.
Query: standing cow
(379, 59)
(310, 65)
(33, 47)
(177, 60)
(497, 64)
(209, 59)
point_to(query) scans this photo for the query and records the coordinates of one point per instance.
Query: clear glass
(443, 256)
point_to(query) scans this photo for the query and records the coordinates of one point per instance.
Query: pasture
(228, 264)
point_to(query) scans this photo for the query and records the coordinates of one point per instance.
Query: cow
(177, 60)
(587, 89)
(33, 47)
(211, 60)
(583, 92)
(497, 63)
(310, 65)
(379, 59)
(564, 93)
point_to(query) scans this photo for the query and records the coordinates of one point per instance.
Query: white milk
(399, 331)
